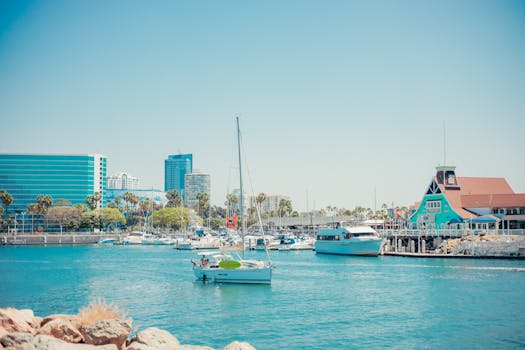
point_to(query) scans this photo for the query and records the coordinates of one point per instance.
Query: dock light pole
(23, 221)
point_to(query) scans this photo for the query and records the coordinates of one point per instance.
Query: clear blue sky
(336, 98)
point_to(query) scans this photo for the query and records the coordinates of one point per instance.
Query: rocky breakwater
(95, 329)
(484, 245)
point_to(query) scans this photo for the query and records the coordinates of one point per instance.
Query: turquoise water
(314, 301)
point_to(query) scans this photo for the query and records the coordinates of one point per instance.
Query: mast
(241, 198)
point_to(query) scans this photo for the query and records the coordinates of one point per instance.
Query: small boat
(134, 238)
(107, 241)
(163, 241)
(359, 240)
(223, 268)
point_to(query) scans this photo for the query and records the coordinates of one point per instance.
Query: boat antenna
(241, 197)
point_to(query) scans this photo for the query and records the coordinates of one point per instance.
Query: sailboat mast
(241, 197)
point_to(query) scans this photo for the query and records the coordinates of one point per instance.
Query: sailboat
(223, 267)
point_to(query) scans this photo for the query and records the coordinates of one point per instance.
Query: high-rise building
(71, 177)
(122, 181)
(195, 183)
(175, 168)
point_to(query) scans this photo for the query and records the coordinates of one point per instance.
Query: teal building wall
(72, 177)
(433, 217)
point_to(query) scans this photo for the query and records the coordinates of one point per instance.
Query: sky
(341, 103)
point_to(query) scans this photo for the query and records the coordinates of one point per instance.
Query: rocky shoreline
(22, 330)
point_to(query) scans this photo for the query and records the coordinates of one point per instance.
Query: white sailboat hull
(262, 275)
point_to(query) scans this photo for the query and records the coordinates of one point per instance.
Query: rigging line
(257, 206)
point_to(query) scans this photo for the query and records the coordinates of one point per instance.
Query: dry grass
(100, 310)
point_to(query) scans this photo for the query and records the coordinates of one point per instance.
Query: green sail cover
(229, 264)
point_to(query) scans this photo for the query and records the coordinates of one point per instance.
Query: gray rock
(16, 339)
(103, 332)
(236, 345)
(157, 339)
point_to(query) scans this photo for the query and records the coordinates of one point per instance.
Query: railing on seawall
(52, 238)
(450, 232)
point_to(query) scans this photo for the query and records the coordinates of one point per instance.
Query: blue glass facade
(72, 177)
(175, 167)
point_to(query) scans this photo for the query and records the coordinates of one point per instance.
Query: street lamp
(23, 221)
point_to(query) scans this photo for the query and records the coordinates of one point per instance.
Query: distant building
(271, 202)
(122, 181)
(175, 168)
(72, 177)
(476, 201)
(157, 196)
(195, 183)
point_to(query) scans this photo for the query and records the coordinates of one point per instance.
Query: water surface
(314, 302)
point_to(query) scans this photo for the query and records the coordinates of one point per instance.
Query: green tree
(62, 202)
(7, 200)
(68, 217)
(174, 218)
(111, 217)
(174, 199)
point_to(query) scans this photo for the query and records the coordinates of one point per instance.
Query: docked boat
(133, 238)
(107, 241)
(358, 240)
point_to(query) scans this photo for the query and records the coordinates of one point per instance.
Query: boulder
(13, 320)
(73, 319)
(236, 345)
(194, 347)
(157, 339)
(16, 339)
(139, 346)
(46, 342)
(61, 328)
(113, 331)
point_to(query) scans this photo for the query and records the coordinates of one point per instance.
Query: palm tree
(7, 199)
(174, 199)
(231, 200)
(261, 197)
(204, 204)
(44, 202)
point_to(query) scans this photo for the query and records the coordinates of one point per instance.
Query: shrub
(100, 310)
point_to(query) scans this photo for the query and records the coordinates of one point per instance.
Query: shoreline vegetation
(99, 326)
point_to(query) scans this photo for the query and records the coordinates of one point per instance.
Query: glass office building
(175, 168)
(194, 184)
(72, 177)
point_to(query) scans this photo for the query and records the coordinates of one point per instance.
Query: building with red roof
(451, 200)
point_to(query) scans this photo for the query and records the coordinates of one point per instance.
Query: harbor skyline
(342, 103)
